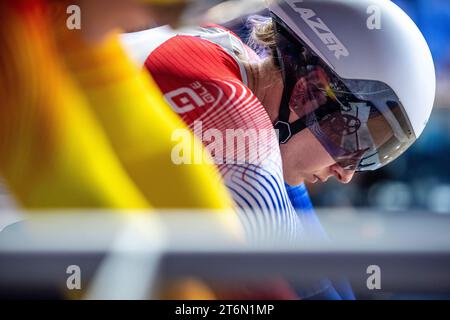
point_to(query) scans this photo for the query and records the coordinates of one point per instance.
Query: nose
(344, 176)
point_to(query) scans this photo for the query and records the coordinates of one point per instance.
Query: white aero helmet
(358, 73)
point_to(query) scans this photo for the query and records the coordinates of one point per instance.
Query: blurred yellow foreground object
(89, 131)
(52, 152)
(140, 124)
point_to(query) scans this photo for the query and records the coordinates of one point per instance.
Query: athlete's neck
(266, 82)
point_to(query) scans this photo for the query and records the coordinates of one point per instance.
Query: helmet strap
(285, 129)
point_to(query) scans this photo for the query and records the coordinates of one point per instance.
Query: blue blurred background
(420, 179)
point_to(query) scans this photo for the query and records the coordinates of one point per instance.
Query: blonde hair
(264, 34)
(261, 35)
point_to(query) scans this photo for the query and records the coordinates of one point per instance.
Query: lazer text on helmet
(320, 29)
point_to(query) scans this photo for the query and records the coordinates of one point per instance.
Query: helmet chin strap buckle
(283, 131)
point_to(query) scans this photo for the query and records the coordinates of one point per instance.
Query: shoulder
(192, 57)
(197, 75)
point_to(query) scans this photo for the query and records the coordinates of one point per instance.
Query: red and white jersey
(206, 84)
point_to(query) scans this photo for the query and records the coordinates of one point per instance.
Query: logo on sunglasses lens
(344, 124)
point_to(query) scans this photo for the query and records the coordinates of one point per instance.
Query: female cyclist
(344, 95)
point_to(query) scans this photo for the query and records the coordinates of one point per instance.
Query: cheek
(313, 162)
(311, 156)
